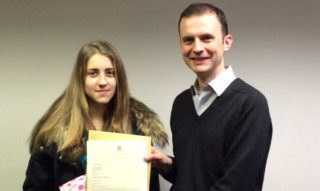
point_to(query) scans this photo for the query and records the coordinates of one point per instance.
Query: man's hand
(159, 160)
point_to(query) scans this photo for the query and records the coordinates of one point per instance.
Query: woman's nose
(102, 80)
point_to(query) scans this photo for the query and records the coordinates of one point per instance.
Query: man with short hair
(221, 126)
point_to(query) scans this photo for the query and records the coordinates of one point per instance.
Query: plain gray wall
(276, 49)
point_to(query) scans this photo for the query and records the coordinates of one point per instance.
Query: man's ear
(227, 42)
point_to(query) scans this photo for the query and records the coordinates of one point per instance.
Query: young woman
(97, 98)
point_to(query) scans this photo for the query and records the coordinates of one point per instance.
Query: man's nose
(198, 46)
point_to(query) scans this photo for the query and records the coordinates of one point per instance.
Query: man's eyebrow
(207, 34)
(186, 37)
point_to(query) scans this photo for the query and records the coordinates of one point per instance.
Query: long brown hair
(66, 120)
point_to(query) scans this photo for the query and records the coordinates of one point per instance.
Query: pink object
(77, 184)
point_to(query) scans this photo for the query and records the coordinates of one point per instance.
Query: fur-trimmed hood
(148, 122)
(143, 119)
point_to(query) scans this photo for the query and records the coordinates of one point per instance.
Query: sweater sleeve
(170, 175)
(39, 174)
(248, 147)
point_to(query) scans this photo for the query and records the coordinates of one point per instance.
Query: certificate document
(117, 165)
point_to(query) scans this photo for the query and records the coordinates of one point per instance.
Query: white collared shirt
(211, 91)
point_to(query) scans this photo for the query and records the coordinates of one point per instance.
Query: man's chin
(200, 69)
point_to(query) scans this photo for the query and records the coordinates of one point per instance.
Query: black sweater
(226, 147)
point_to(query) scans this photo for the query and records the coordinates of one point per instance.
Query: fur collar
(148, 122)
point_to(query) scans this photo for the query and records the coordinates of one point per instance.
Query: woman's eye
(92, 73)
(110, 73)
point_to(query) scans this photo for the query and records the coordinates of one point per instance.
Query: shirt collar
(219, 84)
(223, 80)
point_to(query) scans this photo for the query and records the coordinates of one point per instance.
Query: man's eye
(188, 41)
(207, 38)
